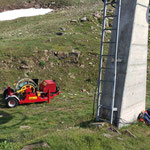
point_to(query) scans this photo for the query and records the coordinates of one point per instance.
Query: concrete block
(144, 3)
(141, 16)
(130, 91)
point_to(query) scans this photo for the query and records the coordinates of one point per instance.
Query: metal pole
(116, 57)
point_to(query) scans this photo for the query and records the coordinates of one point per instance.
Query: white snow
(14, 14)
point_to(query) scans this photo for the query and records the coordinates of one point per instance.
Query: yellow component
(23, 89)
(34, 97)
(38, 93)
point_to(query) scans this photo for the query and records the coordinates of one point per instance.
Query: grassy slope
(12, 4)
(63, 124)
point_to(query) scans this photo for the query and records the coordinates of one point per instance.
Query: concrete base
(132, 63)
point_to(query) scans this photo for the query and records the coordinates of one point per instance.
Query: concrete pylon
(132, 64)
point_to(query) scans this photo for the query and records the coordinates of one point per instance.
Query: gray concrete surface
(132, 64)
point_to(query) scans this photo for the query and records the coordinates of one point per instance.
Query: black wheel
(5, 93)
(12, 102)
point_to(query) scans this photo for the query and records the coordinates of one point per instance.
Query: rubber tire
(12, 99)
(5, 92)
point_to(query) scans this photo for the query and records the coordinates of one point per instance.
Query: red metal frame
(34, 98)
(48, 91)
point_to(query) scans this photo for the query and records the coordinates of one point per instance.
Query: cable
(95, 93)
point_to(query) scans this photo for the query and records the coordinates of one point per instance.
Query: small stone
(83, 19)
(107, 135)
(62, 29)
(72, 77)
(46, 51)
(53, 3)
(90, 63)
(82, 66)
(74, 21)
(84, 90)
(25, 127)
(92, 28)
(120, 139)
(98, 124)
(52, 64)
(24, 67)
(1, 116)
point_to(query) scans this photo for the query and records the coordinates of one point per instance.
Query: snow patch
(18, 13)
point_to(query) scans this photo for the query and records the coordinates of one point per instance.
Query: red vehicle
(26, 91)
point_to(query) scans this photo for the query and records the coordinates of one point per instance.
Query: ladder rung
(108, 42)
(114, 109)
(111, 16)
(104, 120)
(110, 3)
(106, 81)
(106, 68)
(107, 55)
(109, 29)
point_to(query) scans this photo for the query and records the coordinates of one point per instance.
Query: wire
(95, 93)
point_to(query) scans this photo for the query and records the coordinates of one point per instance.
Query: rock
(98, 124)
(46, 51)
(1, 116)
(107, 135)
(69, 74)
(84, 19)
(24, 67)
(55, 53)
(97, 15)
(90, 63)
(120, 139)
(74, 57)
(108, 31)
(52, 64)
(74, 21)
(72, 77)
(84, 90)
(53, 3)
(26, 75)
(62, 29)
(92, 28)
(82, 66)
(37, 145)
(129, 133)
(106, 22)
(75, 53)
(25, 127)
(62, 55)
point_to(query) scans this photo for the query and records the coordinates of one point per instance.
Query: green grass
(12, 4)
(64, 123)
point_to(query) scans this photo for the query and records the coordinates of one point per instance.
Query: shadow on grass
(2, 102)
(86, 124)
(4, 117)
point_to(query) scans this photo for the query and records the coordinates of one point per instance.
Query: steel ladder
(102, 68)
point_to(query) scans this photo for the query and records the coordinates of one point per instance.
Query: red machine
(26, 91)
